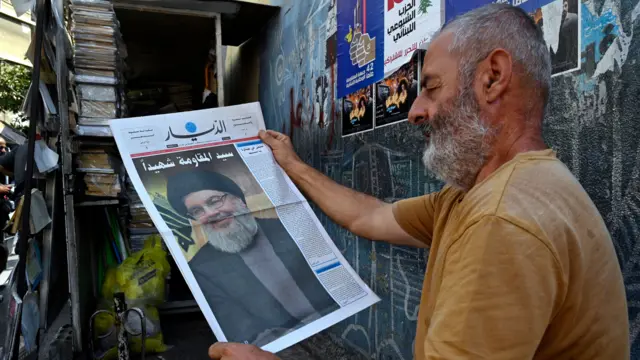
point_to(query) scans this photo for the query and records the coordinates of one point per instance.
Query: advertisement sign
(409, 25)
(559, 21)
(395, 94)
(360, 44)
(375, 38)
(357, 111)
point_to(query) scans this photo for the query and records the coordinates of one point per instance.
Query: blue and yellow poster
(360, 44)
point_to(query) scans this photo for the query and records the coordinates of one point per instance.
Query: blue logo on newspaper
(190, 127)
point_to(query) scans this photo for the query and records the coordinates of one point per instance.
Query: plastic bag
(141, 277)
(104, 328)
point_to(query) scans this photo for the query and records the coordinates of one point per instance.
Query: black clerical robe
(242, 305)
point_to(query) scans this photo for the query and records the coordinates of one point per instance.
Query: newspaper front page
(259, 263)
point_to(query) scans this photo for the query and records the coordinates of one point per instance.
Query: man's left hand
(234, 351)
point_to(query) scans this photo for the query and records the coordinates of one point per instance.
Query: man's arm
(501, 287)
(359, 213)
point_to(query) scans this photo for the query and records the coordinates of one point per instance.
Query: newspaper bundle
(259, 263)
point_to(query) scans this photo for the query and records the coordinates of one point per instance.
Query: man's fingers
(217, 350)
(277, 135)
(269, 137)
(266, 137)
(274, 133)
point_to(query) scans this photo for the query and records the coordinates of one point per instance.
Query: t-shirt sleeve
(500, 288)
(416, 216)
(7, 161)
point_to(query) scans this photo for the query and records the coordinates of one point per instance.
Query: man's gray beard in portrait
(459, 142)
(237, 236)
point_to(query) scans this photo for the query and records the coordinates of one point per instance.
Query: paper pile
(140, 224)
(98, 59)
(100, 178)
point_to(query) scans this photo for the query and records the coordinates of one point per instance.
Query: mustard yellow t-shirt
(520, 267)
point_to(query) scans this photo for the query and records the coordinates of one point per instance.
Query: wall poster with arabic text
(360, 44)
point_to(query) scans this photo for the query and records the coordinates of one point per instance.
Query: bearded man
(521, 265)
(251, 272)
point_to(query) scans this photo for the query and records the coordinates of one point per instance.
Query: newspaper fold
(258, 261)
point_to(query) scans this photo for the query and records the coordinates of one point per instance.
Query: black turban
(182, 184)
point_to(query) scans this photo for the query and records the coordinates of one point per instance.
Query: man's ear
(495, 75)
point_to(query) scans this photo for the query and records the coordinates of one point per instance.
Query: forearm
(342, 204)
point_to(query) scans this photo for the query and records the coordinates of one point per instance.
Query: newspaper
(259, 263)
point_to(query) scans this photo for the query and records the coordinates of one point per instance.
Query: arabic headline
(173, 160)
(407, 23)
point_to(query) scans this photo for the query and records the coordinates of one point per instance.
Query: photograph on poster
(395, 94)
(250, 270)
(357, 111)
(559, 21)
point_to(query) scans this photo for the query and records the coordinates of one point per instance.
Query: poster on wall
(559, 21)
(375, 38)
(395, 95)
(409, 24)
(360, 44)
(357, 111)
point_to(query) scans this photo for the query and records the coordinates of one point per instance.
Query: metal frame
(219, 62)
(68, 147)
(62, 74)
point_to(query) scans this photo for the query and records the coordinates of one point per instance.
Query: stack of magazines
(98, 65)
(140, 224)
(99, 177)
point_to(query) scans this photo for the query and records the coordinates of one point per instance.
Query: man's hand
(234, 351)
(281, 146)
(5, 189)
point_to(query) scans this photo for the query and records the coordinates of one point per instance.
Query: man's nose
(419, 112)
(210, 213)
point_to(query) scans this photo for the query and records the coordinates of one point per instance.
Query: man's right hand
(281, 147)
(359, 213)
(5, 189)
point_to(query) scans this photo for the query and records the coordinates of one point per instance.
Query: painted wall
(593, 123)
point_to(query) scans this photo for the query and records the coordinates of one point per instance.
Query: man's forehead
(205, 193)
(438, 53)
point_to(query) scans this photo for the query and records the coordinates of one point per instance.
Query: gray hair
(480, 31)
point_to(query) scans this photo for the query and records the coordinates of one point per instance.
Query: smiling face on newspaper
(257, 260)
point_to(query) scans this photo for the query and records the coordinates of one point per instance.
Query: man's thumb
(266, 137)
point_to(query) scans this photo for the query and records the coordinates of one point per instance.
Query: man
(3, 146)
(251, 272)
(521, 265)
(14, 164)
(5, 208)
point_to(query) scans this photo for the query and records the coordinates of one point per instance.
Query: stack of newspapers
(98, 58)
(140, 225)
(99, 176)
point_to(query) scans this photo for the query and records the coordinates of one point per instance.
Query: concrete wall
(593, 123)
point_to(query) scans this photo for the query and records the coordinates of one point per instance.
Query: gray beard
(460, 142)
(236, 237)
